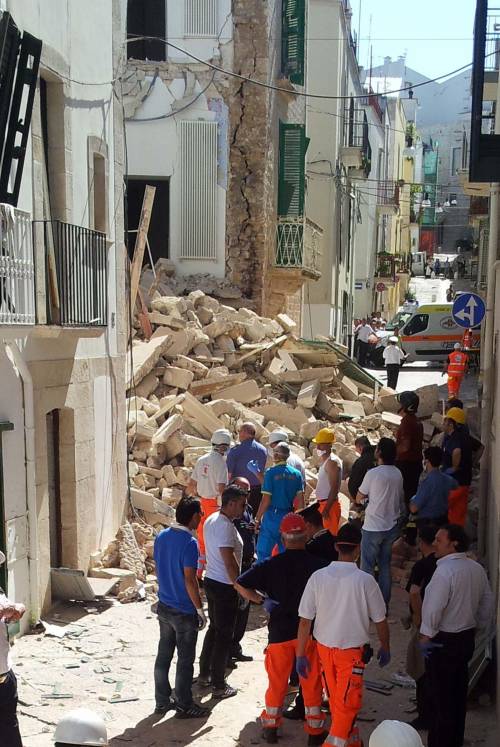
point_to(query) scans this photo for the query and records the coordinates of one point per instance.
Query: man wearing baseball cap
(342, 600)
(9, 726)
(329, 479)
(282, 580)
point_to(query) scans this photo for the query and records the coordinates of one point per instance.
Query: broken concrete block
(391, 420)
(327, 407)
(178, 377)
(196, 297)
(429, 400)
(387, 400)
(349, 408)
(367, 402)
(168, 474)
(180, 343)
(166, 405)
(170, 426)
(200, 416)
(202, 351)
(174, 445)
(190, 364)
(286, 322)
(310, 429)
(215, 382)
(145, 355)
(308, 394)
(224, 407)
(124, 577)
(437, 420)
(151, 471)
(193, 453)
(170, 305)
(247, 392)
(182, 475)
(140, 425)
(219, 326)
(349, 389)
(205, 316)
(273, 370)
(308, 374)
(291, 417)
(225, 343)
(147, 385)
(287, 359)
(176, 322)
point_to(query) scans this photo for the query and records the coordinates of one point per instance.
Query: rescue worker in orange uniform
(283, 579)
(329, 479)
(208, 481)
(342, 600)
(456, 367)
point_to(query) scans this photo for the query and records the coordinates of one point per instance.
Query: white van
(431, 333)
(418, 263)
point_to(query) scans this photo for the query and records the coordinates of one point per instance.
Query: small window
(456, 160)
(417, 324)
(146, 18)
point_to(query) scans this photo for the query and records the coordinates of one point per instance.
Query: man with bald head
(248, 459)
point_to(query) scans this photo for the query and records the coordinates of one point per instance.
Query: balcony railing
(386, 266)
(388, 193)
(298, 245)
(76, 275)
(17, 267)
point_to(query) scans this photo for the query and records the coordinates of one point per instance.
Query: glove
(253, 467)
(242, 602)
(302, 666)
(383, 657)
(202, 620)
(270, 604)
(427, 647)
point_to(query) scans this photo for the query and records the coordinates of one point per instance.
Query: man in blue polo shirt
(238, 458)
(430, 502)
(180, 611)
(283, 485)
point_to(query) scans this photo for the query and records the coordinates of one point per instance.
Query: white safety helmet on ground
(221, 438)
(277, 437)
(81, 727)
(395, 734)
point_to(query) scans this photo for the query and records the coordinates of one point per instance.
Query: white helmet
(457, 346)
(221, 438)
(81, 727)
(395, 734)
(278, 436)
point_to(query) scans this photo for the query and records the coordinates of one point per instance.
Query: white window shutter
(198, 190)
(200, 18)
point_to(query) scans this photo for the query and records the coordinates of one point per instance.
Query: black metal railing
(76, 275)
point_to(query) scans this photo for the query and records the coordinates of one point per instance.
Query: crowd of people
(244, 536)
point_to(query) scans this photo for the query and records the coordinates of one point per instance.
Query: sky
(435, 35)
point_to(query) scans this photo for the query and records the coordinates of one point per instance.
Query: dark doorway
(158, 233)
(54, 489)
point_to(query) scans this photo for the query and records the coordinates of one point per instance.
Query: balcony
(298, 246)
(388, 197)
(473, 189)
(17, 268)
(385, 270)
(75, 275)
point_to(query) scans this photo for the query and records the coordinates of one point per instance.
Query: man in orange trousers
(342, 600)
(283, 579)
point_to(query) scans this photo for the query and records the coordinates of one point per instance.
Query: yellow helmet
(456, 414)
(324, 436)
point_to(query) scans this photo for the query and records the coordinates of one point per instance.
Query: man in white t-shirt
(207, 481)
(224, 548)
(342, 600)
(393, 357)
(363, 334)
(382, 487)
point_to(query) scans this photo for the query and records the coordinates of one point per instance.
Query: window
(293, 40)
(146, 18)
(417, 324)
(292, 157)
(456, 160)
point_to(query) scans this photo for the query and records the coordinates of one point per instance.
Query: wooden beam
(140, 243)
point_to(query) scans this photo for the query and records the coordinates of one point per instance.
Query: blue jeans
(181, 630)
(269, 533)
(376, 548)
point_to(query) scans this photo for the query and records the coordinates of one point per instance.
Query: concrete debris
(214, 363)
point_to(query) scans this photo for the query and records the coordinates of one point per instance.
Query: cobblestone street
(105, 662)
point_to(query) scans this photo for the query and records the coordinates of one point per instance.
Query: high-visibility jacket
(457, 363)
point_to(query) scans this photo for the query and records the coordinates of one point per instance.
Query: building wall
(79, 372)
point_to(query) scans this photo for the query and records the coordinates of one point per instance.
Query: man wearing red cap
(282, 580)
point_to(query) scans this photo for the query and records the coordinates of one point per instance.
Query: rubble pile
(207, 365)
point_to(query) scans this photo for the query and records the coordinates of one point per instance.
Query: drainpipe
(14, 354)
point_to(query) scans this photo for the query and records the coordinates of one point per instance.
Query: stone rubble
(210, 365)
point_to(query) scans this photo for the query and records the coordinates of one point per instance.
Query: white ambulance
(430, 333)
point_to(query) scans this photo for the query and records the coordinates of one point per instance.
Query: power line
(269, 86)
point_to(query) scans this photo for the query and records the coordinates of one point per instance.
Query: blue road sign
(468, 310)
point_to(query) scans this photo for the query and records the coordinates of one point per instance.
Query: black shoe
(242, 657)
(194, 711)
(221, 693)
(316, 739)
(295, 714)
(270, 736)
(163, 709)
(419, 724)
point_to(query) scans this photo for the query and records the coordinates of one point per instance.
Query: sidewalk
(112, 652)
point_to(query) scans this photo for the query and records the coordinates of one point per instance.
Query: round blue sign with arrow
(468, 310)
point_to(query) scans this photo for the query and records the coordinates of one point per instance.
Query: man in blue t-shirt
(248, 452)
(180, 610)
(282, 486)
(430, 502)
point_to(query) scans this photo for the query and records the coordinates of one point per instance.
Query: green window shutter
(293, 40)
(292, 157)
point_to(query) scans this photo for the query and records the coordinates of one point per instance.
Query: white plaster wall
(205, 48)
(15, 500)
(105, 445)
(153, 151)
(80, 35)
